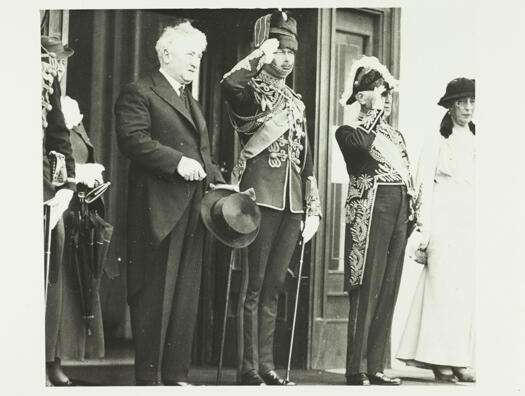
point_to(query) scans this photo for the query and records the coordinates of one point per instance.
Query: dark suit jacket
(154, 130)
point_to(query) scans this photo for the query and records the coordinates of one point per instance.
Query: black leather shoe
(382, 379)
(63, 383)
(272, 378)
(251, 378)
(357, 379)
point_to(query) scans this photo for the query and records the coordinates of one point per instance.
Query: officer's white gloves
(59, 203)
(269, 47)
(311, 224)
(89, 174)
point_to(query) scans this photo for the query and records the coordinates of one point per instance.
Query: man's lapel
(198, 115)
(79, 129)
(163, 88)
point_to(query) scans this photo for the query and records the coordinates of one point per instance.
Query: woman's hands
(417, 245)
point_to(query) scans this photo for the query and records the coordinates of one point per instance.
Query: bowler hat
(458, 88)
(54, 44)
(232, 217)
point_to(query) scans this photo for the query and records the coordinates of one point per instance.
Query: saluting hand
(269, 47)
(373, 99)
(190, 169)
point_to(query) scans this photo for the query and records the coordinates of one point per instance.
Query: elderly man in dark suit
(162, 130)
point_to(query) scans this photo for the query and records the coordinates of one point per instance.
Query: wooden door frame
(320, 327)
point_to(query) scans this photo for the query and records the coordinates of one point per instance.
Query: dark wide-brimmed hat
(276, 25)
(232, 217)
(54, 44)
(458, 88)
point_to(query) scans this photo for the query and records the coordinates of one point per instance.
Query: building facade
(114, 47)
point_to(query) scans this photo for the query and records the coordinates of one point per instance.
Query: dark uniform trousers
(164, 312)
(372, 304)
(268, 259)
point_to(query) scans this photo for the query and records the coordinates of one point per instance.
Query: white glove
(89, 174)
(374, 99)
(311, 224)
(378, 101)
(190, 169)
(268, 48)
(59, 203)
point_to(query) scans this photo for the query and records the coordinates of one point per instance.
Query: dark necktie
(185, 99)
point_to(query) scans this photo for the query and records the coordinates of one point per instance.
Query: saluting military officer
(379, 215)
(276, 162)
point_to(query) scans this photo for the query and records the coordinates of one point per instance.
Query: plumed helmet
(276, 25)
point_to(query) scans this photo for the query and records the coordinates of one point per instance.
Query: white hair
(180, 33)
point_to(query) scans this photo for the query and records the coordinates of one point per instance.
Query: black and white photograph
(265, 194)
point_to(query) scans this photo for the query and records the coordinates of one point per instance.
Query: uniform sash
(268, 133)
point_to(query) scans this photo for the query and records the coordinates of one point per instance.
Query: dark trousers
(54, 292)
(164, 312)
(268, 260)
(372, 304)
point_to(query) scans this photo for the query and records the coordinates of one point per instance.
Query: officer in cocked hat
(276, 162)
(379, 217)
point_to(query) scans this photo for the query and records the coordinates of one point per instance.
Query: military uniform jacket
(375, 154)
(56, 138)
(275, 159)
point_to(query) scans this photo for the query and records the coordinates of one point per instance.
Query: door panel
(351, 33)
(353, 38)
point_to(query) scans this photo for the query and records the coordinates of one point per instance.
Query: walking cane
(295, 310)
(223, 335)
(47, 247)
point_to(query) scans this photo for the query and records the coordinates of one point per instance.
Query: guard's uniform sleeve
(57, 135)
(133, 126)
(235, 83)
(360, 137)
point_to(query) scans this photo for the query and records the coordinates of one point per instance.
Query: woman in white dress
(439, 333)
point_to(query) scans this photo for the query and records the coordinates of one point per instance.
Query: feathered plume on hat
(360, 73)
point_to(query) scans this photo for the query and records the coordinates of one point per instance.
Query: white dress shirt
(174, 83)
